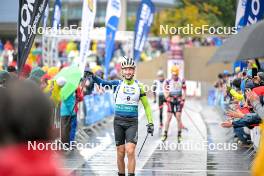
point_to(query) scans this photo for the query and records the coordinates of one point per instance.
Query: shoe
(164, 138)
(244, 145)
(179, 136)
(161, 126)
(179, 139)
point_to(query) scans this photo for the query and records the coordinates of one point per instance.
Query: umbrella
(247, 44)
(73, 77)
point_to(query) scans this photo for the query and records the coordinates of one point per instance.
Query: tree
(228, 9)
(197, 12)
(180, 16)
(224, 10)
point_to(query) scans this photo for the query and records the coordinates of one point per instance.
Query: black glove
(88, 73)
(150, 128)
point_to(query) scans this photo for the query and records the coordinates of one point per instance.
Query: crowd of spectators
(241, 96)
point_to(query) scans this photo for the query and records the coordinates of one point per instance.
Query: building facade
(73, 10)
(8, 19)
(72, 13)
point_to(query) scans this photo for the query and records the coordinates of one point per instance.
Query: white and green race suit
(128, 93)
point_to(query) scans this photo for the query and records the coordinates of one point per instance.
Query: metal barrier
(255, 136)
(56, 123)
(216, 98)
(98, 107)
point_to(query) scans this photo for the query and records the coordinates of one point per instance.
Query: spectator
(67, 113)
(24, 120)
(8, 46)
(26, 71)
(246, 93)
(78, 98)
(4, 78)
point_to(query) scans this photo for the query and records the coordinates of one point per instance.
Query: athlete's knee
(130, 151)
(121, 151)
(121, 154)
(178, 115)
(169, 116)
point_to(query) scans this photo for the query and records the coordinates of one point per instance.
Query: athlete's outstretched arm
(144, 100)
(102, 82)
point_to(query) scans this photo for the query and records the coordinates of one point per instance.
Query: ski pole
(143, 145)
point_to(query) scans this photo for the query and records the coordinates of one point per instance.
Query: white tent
(51, 39)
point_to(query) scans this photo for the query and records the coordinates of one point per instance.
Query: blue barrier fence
(98, 107)
(216, 98)
(211, 97)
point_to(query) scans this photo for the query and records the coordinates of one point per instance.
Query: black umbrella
(247, 44)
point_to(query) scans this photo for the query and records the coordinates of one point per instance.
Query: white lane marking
(146, 154)
(170, 170)
(106, 141)
(141, 162)
(87, 153)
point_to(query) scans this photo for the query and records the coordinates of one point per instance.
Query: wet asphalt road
(190, 157)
